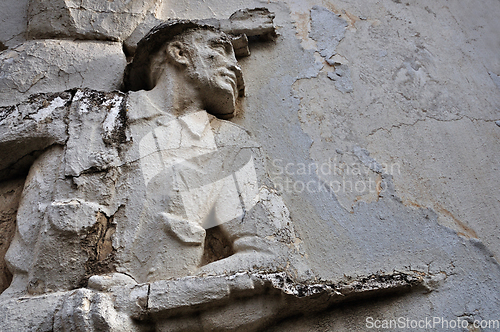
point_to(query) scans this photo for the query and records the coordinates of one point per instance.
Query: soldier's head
(199, 54)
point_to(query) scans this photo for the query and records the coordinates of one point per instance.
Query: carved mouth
(226, 73)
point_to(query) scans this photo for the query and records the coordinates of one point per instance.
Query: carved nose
(239, 79)
(234, 68)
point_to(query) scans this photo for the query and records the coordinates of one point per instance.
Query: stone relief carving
(129, 191)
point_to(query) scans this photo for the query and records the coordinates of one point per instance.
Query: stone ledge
(254, 299)
(193, 294)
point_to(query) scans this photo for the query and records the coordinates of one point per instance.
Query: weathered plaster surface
(423, 107)
(401, 95)
(9, 200)
(87, 19)
(13, 18)
(413, 95)
(58, 65)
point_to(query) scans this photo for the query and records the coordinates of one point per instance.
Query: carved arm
(28, 128)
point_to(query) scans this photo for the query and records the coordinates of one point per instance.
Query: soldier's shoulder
(229, 133)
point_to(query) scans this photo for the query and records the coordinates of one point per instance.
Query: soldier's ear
(178, 53)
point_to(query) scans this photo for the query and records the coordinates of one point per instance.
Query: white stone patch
(87, 19)
(78, 95)
(45, 112)
(223, 200)
(495, 79)
(111, 119)
(83, 107)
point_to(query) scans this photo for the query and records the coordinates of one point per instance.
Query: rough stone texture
(261, 299)
(13, 18)
(327, 29)
(92, 134)
(43, 118)
(254, 301)
(59, 65)
(417, 121)
(413, 75)
(32, 314)
(10, 194)
(365, 229)
(342, 78)
(66, 240)
(408, 78)
(88, 19)
(130, 44)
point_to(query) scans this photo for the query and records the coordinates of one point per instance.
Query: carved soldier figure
(132, 183)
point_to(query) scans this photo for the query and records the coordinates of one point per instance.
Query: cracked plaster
(424, 98)
(58, 65)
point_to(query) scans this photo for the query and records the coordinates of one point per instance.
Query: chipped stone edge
(297, 297)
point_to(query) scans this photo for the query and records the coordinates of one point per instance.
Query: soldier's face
(215, 71)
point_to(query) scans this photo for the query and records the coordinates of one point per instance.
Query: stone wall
(10, 196)
(378, 123)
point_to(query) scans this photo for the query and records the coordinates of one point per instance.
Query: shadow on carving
(99, 248)
(351, 307)
(10, 194)
(217, 246)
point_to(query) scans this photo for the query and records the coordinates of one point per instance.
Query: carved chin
(223, 109)
(221, 103)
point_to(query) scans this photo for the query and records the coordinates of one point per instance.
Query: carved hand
(184, 230)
